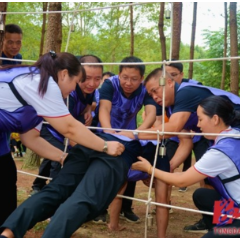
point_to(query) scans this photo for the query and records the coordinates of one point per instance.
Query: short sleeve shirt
(11, 62)
(215, 163)
(107, 90)
(50, 105)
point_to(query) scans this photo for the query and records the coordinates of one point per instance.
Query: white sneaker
(182, 189)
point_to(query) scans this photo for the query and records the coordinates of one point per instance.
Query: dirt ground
(177, 220)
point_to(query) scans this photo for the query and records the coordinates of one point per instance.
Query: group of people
(89, 171)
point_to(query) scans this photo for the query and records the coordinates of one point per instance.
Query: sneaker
(101, 219)
(34, 191)
(182, 189)
(130, 216)
(198, 227)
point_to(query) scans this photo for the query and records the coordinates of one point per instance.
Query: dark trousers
(199, 148)
(19, 147)
(148, 152)
(129, 192)
(48, 168)
(8, 180)
(204, 203)
(85, 186)
(171, 148)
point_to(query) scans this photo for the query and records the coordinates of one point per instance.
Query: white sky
(210, 15)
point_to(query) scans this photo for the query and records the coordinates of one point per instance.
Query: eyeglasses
(126, 78)
(174, 74)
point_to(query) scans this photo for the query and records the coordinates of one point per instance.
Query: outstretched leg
(43, 204)
(115, 209)
(99, 186)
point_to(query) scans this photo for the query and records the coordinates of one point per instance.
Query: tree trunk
(45, 5)
(3, 8)
(59, 28)
(161, 32)
(132, 31)
(225, 48)
(176, 31)
(190, 71)
(233, 49)
(54, 29)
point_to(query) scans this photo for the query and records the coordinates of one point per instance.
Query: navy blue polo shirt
(188, 98)
(88, 99)
(11, 62)
(107, 90)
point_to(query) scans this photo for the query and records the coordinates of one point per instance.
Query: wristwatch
(135, 135)
(105, 147)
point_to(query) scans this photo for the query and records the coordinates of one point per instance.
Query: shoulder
(107, 86)
(18, 56)
(192, 92)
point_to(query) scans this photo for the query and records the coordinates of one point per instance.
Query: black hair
(132, 59)
(13, 28)
(51, 63)
(108, 73)
(223, 107)
(90, 59)
(176, 65)
(155, 73)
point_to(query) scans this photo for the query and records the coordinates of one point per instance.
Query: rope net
(149, 201)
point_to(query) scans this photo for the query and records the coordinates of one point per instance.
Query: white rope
(143, 63)
(69, 32)
(34, 175)
(82, 10)
(161, 132)
(169, 133)
(16, 60)
(151, 183)
(147, 202)
(173, 206)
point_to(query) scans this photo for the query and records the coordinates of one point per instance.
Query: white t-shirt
(214, 163)
(50, 105)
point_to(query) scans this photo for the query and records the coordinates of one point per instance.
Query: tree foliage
(106, 33)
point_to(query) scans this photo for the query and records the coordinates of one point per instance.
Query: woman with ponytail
(29, 94)
(220, 164)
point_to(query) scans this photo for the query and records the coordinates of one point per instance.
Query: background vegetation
(106, 33)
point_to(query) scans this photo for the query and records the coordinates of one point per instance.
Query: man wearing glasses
(121, 98)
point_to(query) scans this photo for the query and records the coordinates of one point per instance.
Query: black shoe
(130, 216)
(101, 219)
(34, 191)
(198, 227)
